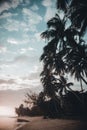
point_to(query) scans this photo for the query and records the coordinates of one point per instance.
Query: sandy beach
(7, 123)
(38, 123)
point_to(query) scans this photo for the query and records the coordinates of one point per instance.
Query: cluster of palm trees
(66, 49)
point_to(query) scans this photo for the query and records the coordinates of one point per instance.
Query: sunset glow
(6, 111)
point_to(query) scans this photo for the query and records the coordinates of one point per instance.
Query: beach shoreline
(38, 123)
(21, 121)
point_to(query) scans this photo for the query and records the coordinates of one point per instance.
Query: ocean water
(8, 123)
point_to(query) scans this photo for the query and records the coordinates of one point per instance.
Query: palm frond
(62, 4)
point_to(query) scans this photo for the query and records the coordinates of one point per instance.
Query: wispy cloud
(25, 50)
(34, 7)
(3, 49)
(28, 25)
(15, 41)
(31, 81)
(26, 59)
(47, 3)
(12, 41)
(37, 36)
(6, 15)
(11, 25)
(6, 5)
(22, 59)
(33, 17)
(10, 81)
(21, 23)
(50, 9)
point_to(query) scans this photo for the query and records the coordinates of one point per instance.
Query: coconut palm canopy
(66, 50)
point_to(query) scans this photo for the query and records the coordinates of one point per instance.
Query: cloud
(34, 73)
(7, 65)
(15, 41)
(47, 3)
(34, 7)
(16, 25)
(25, 50)
(25, 2)
(38, 37)
(14, 3)
(12, 41)
(16, 83)
(6, 15)
(50, 12)
(11, 25)
(21, 59)
(26, 59)
(10, 81)
(28, 24)
(50, 9)
(3, 49)
(33, 17)
(6, 5)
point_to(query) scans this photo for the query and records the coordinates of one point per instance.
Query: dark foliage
(22, 111)
(65, 53)
(74, 107)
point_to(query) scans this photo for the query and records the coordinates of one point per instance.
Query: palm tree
(60, 40)
(31, 99)
(49, 84)
(63, 5)
(65, 51)
(76, 10)
(78, 14)
(77, 60)
(63, 86)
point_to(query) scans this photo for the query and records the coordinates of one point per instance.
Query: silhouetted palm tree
(31, 98)
(49, 84)
(63, 86)
(76, 10)
(77, 60)
(65, 51)
(60, 40)
(79, 15)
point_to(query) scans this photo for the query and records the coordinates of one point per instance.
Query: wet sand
(38, 123)
(7, 123)
(12, 123)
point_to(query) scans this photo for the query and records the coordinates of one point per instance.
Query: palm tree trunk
(83, 80)
(81, 85)
(75, 95)
(81, 100)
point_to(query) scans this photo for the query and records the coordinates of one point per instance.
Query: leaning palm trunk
(75, 95)
(81, 85)
(81, 101)
(83, 80)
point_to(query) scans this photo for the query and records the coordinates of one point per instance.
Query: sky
(21, 23)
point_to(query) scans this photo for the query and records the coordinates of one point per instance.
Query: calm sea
(8, 123)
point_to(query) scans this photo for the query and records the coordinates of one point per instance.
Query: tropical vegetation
(66, 50)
